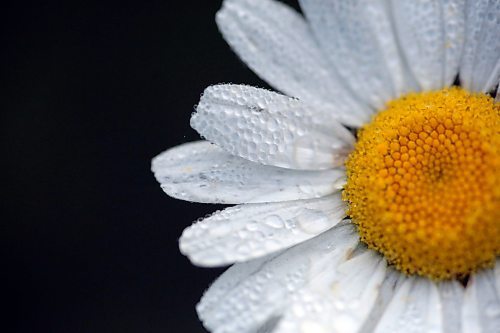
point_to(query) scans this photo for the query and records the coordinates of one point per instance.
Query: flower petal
(202, 172)
(497, 276)
(358, 39)
(497, 98)
(416, 307)
(480, 67)
(481, 308)
(269, 128)
(431, 37)
(276, 43)
(452, 294)
(241, 302)
(343, 299)
(249, 231)
(453, 12)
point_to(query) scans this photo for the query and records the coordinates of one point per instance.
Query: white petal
(342, 300)
(269, 128)
(497, 276)
(202, 172)
(453, 12)
(355, 289)
(451, 293)
(492, 81)
(263, 291)
(415, 308)
(359, 41)
(249, 231)
(421, 27)
(431, 34)
(481, 308)
(480, 67)
(276, 43)
(388, 289)
(230, 279)
(269, 326)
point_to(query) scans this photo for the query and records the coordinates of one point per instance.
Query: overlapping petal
(272, 129)
(276, 43)
(481, 306)
(431, 35)
(415, 307)
(496, 272)
(251, 294)
(452, 295)
(249, 231)
(299, 268)
(480, 66)
(202, 172)
(453, 14)
(358, 39)
(343, 299)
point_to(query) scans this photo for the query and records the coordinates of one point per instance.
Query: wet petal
(242, 302)
(276, 43)
(359, 41)
(480, 66)
(481, 307)
(272, 129)
(431, 37)
(202, 172)
(416, 307)
(453, 12)
(451, 294)
(249, 231)
(342, 299)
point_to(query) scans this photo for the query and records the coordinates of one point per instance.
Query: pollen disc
(423, 183)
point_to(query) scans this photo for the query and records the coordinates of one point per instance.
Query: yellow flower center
(424, 183)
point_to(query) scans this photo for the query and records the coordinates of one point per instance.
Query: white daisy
(395, 230)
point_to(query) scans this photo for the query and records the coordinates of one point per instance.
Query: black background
(91, 91)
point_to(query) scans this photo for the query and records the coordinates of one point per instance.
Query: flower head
(369, 192)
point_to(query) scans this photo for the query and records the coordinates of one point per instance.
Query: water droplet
(274, 221)
(259, 235)
(290, 224)
(252, 226)
(313, 221)
(243, 248)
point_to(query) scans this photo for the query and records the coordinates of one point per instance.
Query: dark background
(91, 91)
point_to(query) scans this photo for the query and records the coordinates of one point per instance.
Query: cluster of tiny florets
(424, 183)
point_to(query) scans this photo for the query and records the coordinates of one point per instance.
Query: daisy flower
(368, 189)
